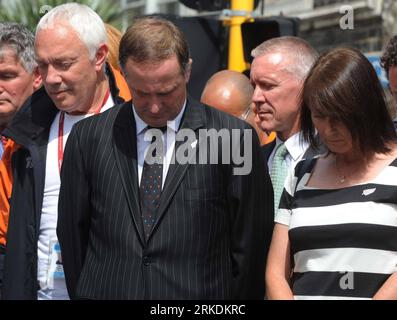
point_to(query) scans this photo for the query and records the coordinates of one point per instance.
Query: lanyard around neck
(61, 125)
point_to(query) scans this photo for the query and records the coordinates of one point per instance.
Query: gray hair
(20, 40)
(85, 21)
(300, 51)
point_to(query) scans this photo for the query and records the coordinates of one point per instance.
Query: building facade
(133, 8)
(365, 24)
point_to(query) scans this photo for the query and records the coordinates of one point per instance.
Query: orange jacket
(270, 137)
(5, 188)
(121, 84)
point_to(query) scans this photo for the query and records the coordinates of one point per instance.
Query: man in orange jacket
(19, 78)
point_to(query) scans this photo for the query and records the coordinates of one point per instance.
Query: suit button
(146, 261)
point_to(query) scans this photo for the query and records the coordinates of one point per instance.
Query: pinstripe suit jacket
(212, 231)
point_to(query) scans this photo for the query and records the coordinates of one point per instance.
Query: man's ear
(37, 81)
(188, 70)
(101, 56)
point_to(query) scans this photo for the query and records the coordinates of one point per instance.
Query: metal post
(124, 21)
(236, 52)
(151, 6)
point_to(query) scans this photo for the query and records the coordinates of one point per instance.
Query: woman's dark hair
(343, 86)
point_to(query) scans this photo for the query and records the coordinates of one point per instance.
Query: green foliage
(29, 12)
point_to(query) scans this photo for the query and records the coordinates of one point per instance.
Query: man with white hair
(71, 52)
(278, 71)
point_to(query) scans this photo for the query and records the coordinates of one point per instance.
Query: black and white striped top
(343, 241)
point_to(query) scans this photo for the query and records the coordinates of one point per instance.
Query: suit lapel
(193, 118)
(125, 150)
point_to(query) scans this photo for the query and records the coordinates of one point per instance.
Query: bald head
(231, 92)
(228, 91)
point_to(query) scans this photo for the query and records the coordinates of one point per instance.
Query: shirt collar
(173, 125)
(295, 145)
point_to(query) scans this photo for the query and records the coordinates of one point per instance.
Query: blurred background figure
(114, 37)
(338, 212)
(19, 78)
(389, 63)
(231, 92)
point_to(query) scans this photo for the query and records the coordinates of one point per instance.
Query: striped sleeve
(283, 214)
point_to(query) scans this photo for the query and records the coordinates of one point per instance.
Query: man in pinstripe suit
(211, 228)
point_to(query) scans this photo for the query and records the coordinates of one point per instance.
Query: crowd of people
(108, 189)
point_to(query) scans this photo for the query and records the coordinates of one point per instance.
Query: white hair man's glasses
(246, 113)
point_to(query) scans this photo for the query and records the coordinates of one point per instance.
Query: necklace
(340, 177)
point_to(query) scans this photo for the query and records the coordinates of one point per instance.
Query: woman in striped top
(336, 228)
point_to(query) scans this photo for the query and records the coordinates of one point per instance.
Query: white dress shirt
(168, 140)
(296, 149)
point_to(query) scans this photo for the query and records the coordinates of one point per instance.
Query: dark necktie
(151, 182)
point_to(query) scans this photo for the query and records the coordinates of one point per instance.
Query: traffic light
(210, 5)
(206, 5)
(262, 29)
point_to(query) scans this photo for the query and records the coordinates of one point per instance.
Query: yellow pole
(236, 60)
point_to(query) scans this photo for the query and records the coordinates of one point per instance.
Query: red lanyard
(4, 141)
(60, 129)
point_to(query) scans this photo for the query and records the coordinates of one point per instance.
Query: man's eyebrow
(266, 81)
(57, 59)
(63, 59)
(8, 69)
(170, 89)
